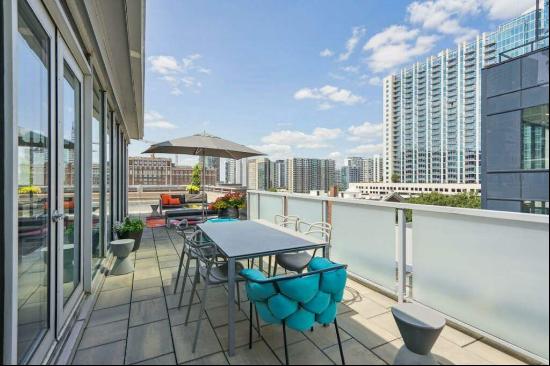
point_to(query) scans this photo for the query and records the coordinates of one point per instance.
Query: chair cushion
(333, 282)
(265, 313)
(257, 291)
(301, 320)
(281, 306)
(174, 201)
(301, 289)
(165, 199)
(327, 316)
(319, 303)
(295, 262)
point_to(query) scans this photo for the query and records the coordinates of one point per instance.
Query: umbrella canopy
(204, 145)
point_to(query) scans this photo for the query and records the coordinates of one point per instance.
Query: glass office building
(432, 109)
(72, 98)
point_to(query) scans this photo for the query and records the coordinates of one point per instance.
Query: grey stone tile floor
(136, 321)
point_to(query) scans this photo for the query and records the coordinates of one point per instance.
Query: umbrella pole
(203, 171)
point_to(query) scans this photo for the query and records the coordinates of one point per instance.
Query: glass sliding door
(34, 80)
(97, 186)
(108, 179)
(68, 174)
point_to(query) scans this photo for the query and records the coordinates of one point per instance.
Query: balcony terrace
(135, 319)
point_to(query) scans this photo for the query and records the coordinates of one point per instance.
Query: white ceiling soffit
(120, 32)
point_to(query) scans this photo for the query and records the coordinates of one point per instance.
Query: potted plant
(228, 205)
(130, 229)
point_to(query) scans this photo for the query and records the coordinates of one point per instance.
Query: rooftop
(135, 319)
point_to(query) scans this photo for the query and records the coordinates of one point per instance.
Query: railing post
(401, 255)
(248, 194)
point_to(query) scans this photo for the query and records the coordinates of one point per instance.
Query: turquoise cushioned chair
(298, 301)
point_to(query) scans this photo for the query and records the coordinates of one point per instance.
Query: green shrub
(129, 225)
(464, 200)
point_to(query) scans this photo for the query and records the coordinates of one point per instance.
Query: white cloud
(153, 119)
(367, 149)
(356, 34)
(350, 69)
(506, 9)
(319, 138)
(326, 53)
(338, 157)
(375, 81)
(164, 64)
(365, 132)
(179, 74)
(329, 93)
(396, 45)
(444, 16)
(275, 151)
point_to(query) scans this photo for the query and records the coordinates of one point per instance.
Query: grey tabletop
(249, 238)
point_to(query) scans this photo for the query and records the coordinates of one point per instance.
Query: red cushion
(165, 198)
(174, 201)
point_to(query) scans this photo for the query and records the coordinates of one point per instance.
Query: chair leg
(275, 268)
(185, 273)
(339, 342)
(257, 322)
(192, 296)
(238, 295)
(269, 267)
(201, 312)
(286, 346)
(250, 310)
(179, 269)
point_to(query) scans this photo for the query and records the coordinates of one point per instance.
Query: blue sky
(293, 78)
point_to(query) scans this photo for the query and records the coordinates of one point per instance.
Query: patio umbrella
(203, 145)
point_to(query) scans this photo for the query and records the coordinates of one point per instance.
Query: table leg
(231, 306)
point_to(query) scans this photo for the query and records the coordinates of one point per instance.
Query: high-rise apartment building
(373, 169)
(432, 109)
(280, 174)
(259, 174)
(212, 162)
(231, 171)
(305, 174)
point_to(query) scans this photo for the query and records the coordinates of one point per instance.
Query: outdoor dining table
(252, 239)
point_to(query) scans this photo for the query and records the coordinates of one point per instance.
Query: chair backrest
(323, 230)
(298, 300)
(289, 221)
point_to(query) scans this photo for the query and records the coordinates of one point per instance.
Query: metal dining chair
(298, 301)
(289, 221)
(213, 271)
(298, 261)
(184, 230)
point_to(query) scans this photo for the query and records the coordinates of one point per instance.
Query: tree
(466, 200)
(395, 178)
(195, 185)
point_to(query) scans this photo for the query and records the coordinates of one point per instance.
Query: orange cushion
(165, 198)
(174, 201)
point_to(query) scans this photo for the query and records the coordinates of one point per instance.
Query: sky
(293, 78)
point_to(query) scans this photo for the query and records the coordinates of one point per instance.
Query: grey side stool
(122, 249)
(418, 326)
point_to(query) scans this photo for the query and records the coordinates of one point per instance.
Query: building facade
(152, 171)
(230, 171)
(305, 175)
(379, 190)
(515, 134)
(280, 174)
(259, 174)
(72, 98)
(432, 109)
(212, 162)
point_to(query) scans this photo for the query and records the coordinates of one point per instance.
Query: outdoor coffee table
(249, 239)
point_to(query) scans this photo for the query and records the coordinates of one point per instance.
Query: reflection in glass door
(70, 124)
(35, 196)
(68, 242)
